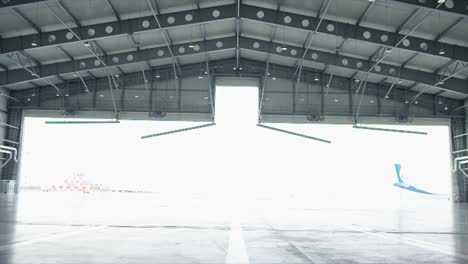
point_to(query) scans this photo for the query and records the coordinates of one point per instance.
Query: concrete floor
(110, 228)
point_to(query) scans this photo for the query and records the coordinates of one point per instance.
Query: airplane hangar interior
(233, 131)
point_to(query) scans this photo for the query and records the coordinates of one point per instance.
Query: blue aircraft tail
(398, 168)
(401, 184)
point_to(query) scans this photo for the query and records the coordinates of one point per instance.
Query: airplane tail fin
(398, 168)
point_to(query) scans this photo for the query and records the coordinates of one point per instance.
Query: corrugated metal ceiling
(383, 15)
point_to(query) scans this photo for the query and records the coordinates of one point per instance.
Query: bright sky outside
(236, 157)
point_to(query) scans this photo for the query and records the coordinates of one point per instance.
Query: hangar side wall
(13, 134)
(3, 120)
(459, 181)
(284, 96)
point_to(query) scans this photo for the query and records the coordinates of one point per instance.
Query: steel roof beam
(272, 36)
(383, 81)
(97, 48)
(116, 14)
(221, 68)
(365, 13)
(407, 20)
(446, 71)
(34, 84)
(167, 38)
(207, 70)
(118, 28)
(115, 60)
(322, 7)
(134, 42)
(30, 58)
(33, 73)
(70, 57)
(61, 79)
(26, 19)
(377, 54)
(380, 53)
(91, 75)
(459, 8)
(445, 66)
(449, 29)
(12, 3)
(132, 79)
(358, 22)
(455, 85)
(39, 31)
(405, 63)
(69, 13)
(369, 35)
(455, 7)
(75, 86)
(310, 37)
(156, 11)
(355, 76)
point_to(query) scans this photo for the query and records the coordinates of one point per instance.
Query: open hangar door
(355, 161)
(368, 148)
(343, 164)
(317, 97)
(92, 171)
(93, 141)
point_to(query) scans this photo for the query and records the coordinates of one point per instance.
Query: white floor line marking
(412, 242)
(237, 252)
(49, 238)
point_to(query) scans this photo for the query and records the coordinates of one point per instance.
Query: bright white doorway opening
(234, 162)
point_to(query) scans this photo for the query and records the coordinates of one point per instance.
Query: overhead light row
(316, 77)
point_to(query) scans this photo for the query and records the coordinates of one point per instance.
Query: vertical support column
(7, 72)
(38, 93)
(179, 94)
(295, 87)
(459, 181)
(176, 86)
(122, 95)
(260, 92)
(379, 102)
(153, 83)
(307, 102)
(66, 99)
(13, 134)
(350, 94)
(213, 91)
(322, 102)
(406, 106)
(95, 83)
(465, 145)
(22, 42)
(3, 119)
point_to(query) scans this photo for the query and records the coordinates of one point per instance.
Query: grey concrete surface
(115, 228)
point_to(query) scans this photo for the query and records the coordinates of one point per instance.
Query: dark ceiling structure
(417, 45)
